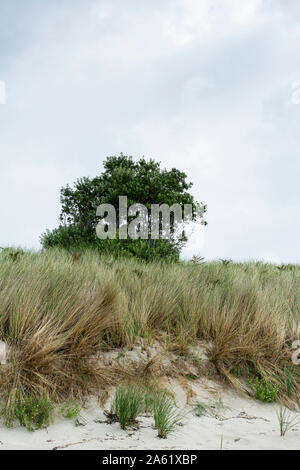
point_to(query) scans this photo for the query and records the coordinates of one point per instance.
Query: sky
(210, 87)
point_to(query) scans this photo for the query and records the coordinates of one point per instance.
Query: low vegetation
(264, 390)
(30, 411)
(286, 420)
(60, 312)
(132, 400)
(166, 415)
(71, 410)
(127, 404)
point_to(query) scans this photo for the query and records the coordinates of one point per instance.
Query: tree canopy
(143, 182)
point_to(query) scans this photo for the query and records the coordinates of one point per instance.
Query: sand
(3, 352)
(235, 422)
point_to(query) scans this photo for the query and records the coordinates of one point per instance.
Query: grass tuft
(286, 420)
(127, 404)
(166, 415)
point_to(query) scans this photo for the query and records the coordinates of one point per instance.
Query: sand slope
(234, 422)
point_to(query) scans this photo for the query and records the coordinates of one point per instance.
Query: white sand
(3, 352)
(244, 424)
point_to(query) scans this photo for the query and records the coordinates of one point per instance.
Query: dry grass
(59, 311)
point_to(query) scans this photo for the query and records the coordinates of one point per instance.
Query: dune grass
(127, 404)
(286, 420)
(166, 415)
(59, 310)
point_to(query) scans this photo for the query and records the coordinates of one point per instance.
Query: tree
(143, 182)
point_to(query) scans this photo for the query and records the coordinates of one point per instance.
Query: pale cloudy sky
(202, 85)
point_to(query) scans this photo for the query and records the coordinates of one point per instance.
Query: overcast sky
(201, 85)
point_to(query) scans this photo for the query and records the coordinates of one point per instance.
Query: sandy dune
(234, 422)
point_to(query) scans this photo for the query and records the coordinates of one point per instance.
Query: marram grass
(59, 311)
(166, 415)
(127, 404)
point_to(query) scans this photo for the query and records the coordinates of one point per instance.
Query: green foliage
(143, 182)
(264, 390)
(78, 308)
(166, 415)
(70, 410)
(127, 404)
(73, 237)
(130, 401)
(31, 412)
(191, 376)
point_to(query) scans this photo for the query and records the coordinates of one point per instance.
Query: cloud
(193, 20)
(205, 86)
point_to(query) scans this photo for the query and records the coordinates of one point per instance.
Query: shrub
(74, 237)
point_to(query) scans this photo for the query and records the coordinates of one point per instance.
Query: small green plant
(166, 415)
(31, 412)
(286, 421)
(71, 410)
(127, 404)
(200, 409)
(192, 376)
(214, 408)
(264, 390)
